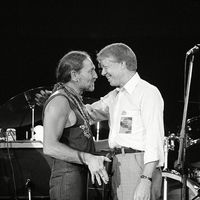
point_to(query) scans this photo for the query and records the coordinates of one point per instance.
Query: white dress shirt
(135, 114)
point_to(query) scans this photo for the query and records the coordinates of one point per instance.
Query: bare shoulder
(58, 104)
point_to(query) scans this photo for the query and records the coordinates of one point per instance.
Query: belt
(124, 150)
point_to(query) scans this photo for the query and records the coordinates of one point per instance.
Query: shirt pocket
(130, 122)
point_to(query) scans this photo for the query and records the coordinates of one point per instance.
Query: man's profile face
(87, 76)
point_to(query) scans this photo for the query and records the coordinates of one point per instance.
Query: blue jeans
(69, 183)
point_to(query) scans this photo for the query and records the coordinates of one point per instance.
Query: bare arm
(96, 112)
(143, 190)
(56, 116)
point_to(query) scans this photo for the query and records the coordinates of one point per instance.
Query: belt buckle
(110, 154)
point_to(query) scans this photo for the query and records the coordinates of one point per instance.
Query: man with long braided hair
(67, 135)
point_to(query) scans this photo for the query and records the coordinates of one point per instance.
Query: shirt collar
(130, 85)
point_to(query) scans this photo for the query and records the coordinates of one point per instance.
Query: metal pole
(166, 142)
(183, 137)
(98, 126)
(28, 186)
(33, 121)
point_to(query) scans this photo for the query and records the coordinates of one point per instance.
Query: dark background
(36, 34)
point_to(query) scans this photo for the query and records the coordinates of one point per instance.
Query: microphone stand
(98, 125)
(33, 121)
(28, 186)
(168, 145)
(183, 136)
(166, 148)
(32, 107)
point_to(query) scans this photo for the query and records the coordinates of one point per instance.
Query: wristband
(146, 177)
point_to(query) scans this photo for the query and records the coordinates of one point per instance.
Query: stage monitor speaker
(20, 162)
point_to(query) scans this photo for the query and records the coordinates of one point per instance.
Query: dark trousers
(69, 183)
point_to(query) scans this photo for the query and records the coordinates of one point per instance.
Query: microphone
(193, 50)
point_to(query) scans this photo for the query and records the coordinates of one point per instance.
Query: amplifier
(21, 161)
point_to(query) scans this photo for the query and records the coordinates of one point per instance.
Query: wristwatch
(146, 177)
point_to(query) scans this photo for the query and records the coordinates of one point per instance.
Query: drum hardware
(189, 141)
(192, 142)
(175, 180)
(100, 130)
(16, 113)
(2, 134)
(98, 125)
(193, 127)
(195, 174)
(21, 110)
(193, 150)
(31, 105)
(172, 138)
(28, 186)
(169, 144)
(189, 121)
(196, 165)
(10, 134)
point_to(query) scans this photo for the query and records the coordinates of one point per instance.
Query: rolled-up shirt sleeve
(101, 107)
(152, 108)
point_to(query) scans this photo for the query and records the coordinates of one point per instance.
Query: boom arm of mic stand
(183, 138)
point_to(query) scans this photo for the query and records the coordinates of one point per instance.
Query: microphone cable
(12, 169)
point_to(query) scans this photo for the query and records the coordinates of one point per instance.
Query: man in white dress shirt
(135, 113)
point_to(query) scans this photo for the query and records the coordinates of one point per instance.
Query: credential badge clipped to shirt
(123, 112)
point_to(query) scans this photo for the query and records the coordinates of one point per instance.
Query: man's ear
(123, 64)
(74, 76)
